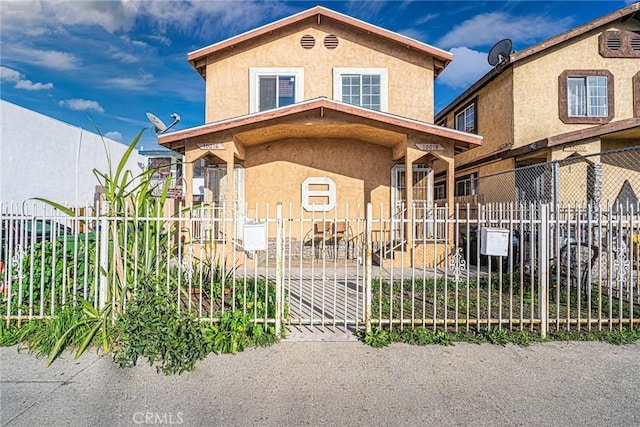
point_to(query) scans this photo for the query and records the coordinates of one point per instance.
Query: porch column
(229, 193)
(451, 182)
(187, 174)
(408, 179)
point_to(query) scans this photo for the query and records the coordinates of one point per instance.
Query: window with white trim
(275, 87)
(587, 96)
(465, 119)
(364, 87)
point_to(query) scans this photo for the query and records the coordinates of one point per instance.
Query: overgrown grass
(382, 337)
(505, 297)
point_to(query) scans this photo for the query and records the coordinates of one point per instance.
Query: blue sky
(108, 62)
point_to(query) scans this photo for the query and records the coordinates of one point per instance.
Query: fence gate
(322, 274)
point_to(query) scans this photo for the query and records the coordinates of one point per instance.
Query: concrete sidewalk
(336, 384)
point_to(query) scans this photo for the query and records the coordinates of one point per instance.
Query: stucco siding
(410, 76)
(494, 118)
(267, 182)
(536, 92)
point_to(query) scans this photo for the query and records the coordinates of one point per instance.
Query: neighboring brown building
(574, 95)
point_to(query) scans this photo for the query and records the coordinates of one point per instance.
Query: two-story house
(562, 101)
(321, 112)
(318, 97)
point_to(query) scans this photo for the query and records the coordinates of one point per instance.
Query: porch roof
(318, 118)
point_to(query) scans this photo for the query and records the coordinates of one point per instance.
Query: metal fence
(609, 177)
(563, 266)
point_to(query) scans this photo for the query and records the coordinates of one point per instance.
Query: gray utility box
(494, 241)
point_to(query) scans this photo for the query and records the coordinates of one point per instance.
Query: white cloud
(113, 135)
(488, 28)
(81, 105)
(111, 15)
(13, 76)
(123, 57)
(468, 65)
(29, 85)
(129, 83)
(9, 75)
(54, 59)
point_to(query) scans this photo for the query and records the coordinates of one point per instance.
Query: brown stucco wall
(536, 110)
(494, 118)
(410, 76)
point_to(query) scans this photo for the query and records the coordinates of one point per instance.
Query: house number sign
(318, 194)
(430, 147)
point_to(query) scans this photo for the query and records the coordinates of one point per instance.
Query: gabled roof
(321, 106)
(316, 14)
(631, 11)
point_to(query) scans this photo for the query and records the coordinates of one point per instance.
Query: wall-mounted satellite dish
(500, 52)
(159, 125)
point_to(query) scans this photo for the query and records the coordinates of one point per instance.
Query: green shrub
(154, 329)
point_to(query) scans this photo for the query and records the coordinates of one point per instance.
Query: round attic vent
(331, 41)
(307, 41)
(614, 42)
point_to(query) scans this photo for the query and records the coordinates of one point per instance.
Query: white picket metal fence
(565, 268)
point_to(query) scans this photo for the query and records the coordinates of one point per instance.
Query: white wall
(43, 157)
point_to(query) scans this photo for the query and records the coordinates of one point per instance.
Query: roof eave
(319, 103)
(198, 58)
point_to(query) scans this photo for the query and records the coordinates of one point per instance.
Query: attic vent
(635, 42)
(307, 41)
(331, 41)
(614, 42)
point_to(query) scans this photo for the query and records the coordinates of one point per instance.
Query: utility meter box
(494, 241)
(255, 236)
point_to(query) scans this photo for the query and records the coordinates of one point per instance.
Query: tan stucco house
(571, 96)
(317, 111)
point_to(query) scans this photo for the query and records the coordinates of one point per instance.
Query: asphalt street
(335, 383)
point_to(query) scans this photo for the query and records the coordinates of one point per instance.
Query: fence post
(104, 254)
(368, 260)
(543, 259)
(279, 268)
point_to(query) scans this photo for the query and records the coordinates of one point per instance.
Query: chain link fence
(610, 177)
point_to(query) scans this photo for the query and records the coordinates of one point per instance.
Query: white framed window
(275, 87)
(587, 96)
(364, 87)
(465, 119)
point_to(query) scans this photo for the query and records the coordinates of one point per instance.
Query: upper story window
(466, 118)
(586, 96)
(364, 87)
(275, 87)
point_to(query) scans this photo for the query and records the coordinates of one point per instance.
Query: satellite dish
(500, 52)
(159, 125)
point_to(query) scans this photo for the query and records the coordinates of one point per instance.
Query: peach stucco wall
(366, 181)
(410, 75)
